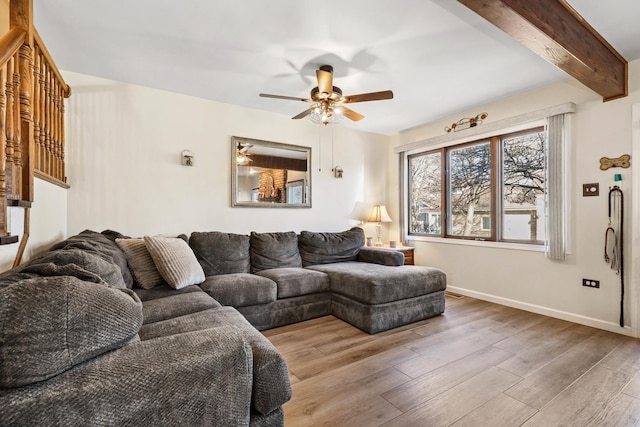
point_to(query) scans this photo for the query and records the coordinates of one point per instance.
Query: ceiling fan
(328, 100)
(241, 153)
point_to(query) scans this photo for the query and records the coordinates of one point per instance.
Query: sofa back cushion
(101, 245)
(326, 248)
(50, 324)
(274, 250)
(84, 265)
(221, 253)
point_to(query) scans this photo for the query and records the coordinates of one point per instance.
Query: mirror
(269, 174)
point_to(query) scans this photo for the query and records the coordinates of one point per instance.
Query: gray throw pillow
(326, 248)
(144, 269)
(221, 253)
(274, 250)
(50, 324)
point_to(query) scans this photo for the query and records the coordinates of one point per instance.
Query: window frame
(497, 213)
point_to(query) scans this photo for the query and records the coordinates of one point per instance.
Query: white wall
(528, 279)
(48, 223)
(123, 159)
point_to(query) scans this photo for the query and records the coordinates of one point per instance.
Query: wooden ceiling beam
(274, 162)
(556, 32)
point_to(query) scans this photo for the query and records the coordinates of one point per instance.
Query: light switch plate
(591, 189)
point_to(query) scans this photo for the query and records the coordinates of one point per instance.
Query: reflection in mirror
(269, 174)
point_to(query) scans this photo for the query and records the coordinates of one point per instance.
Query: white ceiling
(437, 56)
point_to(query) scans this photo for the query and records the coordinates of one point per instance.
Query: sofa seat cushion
(221, 253)
(163, 291)
(240, 289)
(293, 282)
(325, 248)
(274, 250)
(378, 284)
(159, 309)
(271, 387)
(286, 311)
(50, 324)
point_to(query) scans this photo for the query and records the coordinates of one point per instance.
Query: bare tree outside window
(523, 166)
(469, 189)
(515, 200)
(425, 192)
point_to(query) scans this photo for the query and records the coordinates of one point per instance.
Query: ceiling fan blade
(291, 98)
(305, 113)
(325, 83)
(373, 96)
(350, 114)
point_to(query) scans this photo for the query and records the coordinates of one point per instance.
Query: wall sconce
(337, 172)
(379, 215)
(187, 158)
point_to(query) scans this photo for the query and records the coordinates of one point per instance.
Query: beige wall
(528, 279)
(124, 163)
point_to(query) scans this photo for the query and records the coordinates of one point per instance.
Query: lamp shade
(379, 214)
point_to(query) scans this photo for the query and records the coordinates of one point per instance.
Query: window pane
(470, 190)
(425, 193)
(523, 187)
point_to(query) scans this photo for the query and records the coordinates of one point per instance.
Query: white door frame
(634, 250)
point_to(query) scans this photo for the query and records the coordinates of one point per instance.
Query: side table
(406, 250)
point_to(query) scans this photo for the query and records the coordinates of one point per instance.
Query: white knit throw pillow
(175, 261)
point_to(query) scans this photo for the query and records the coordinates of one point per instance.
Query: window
(491, 189)
(469, 184)
(523, 166)
(425, 189)
(486, 223)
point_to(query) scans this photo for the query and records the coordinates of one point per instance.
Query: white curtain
(402, 188)
(555, 246)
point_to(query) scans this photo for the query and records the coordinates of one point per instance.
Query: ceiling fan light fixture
(324, 113)
(242, 160)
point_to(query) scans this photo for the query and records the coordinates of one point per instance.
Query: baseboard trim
(546, 311)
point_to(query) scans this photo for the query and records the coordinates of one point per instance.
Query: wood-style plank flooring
(479, 364)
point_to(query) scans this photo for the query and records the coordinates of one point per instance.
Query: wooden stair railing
(32, 93)
(48, 115)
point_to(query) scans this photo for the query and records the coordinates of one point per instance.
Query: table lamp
(379, 215)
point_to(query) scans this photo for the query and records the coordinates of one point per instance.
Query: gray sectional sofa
(275, 279)
(81, 343)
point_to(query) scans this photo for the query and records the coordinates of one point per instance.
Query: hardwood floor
(479, 364)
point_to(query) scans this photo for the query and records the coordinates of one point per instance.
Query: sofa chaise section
(370, 288)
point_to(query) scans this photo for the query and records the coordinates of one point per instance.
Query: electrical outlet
(590, 283)
(591, 189)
